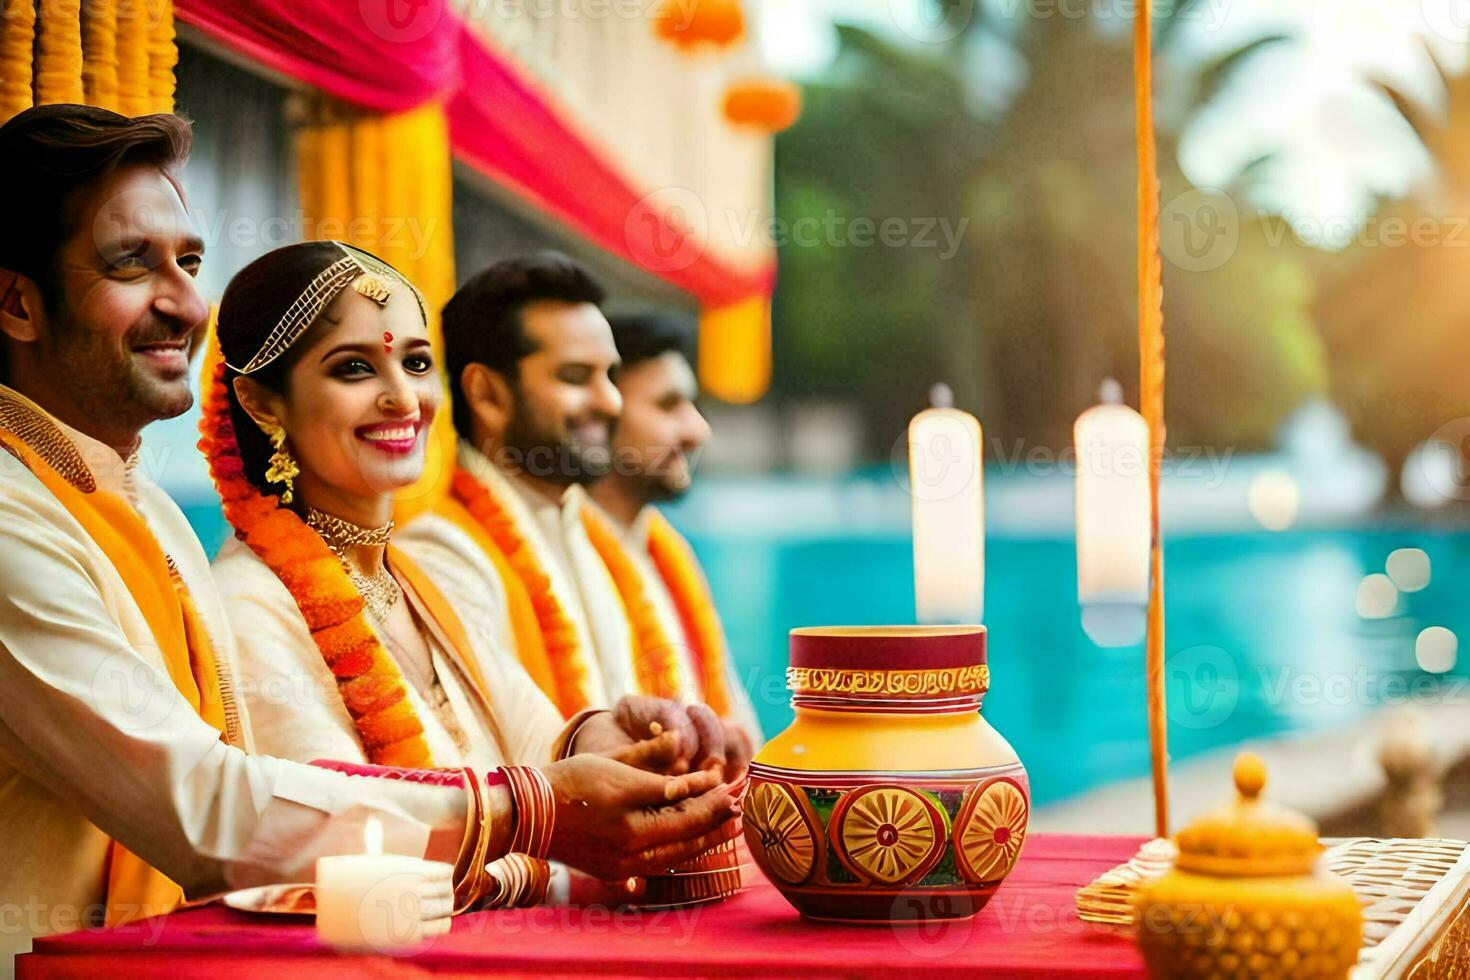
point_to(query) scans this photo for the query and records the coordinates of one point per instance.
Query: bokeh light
(1274, 499)
(1409, 569)
(1377, 597)
(1436, 649)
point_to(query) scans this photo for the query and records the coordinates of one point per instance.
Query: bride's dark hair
(254, 302)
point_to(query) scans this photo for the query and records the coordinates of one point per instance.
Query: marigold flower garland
(563, 647)
(680, 571)
(132, 58)
(163, 55)
(99, 53)
(17, 46)
(368, 679)
(59, 52)
(654, 664)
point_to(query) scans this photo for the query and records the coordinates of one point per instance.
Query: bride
(319, 411)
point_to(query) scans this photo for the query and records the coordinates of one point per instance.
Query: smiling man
(531, 359)
(656, 445)
(129, 780)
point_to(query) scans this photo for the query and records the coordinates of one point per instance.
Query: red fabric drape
(504, 129)
(393, 55)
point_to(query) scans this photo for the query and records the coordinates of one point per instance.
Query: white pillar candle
(1113, 523)
(947, 483)
(383, 903)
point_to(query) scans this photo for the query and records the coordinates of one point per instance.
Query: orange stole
(654, 665)
(530, 647)
(686, 583)
(561, 668)
(135, 889)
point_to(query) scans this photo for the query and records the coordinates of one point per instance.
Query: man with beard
(130, 780)
(657, 440)
(530, 360)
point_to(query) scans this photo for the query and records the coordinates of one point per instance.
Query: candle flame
(372, 836)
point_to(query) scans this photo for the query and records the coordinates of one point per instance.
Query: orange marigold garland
(654, 664)
(680, 571)
(369, 681)
(563, 647)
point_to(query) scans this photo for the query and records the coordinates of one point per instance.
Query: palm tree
(1057, 262)
(1395, 310)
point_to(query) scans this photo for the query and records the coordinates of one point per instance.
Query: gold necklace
(380, 591)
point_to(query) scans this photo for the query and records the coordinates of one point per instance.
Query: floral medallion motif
(989, 831)
(888, 834)
(787, 831)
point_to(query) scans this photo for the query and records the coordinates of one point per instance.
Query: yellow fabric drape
(735, 350)
(116, 54)
(17, 43)
(383, 183)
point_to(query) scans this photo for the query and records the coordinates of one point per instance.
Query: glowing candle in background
(947, 483)
(376, 902)
(1113, 535)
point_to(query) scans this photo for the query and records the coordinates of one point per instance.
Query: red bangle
(535, 810)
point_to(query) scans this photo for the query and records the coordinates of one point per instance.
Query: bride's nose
(397, 399)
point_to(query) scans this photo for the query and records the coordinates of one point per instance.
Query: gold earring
(283, 468)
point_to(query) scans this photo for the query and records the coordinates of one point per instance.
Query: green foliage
(1038, 305)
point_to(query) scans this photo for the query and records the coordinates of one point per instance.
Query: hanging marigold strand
(59, 53)
(17, 44)
(132, 58)
(163, 55)
(99, 53)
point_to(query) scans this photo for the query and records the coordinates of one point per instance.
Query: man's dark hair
(644, 336)
(52, 153)
(482, 322)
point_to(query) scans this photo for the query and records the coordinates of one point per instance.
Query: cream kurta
(297, 712)
(635, 541)
(556, 537)
(95, 741)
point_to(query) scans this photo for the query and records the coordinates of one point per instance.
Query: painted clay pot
(889, 798)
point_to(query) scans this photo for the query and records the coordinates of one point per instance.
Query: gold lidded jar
(1248, 897)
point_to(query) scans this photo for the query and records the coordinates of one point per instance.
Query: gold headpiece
(366, 272)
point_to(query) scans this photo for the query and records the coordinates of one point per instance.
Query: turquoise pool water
(1263, 636)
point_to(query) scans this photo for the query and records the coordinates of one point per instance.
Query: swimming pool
(1262, 633)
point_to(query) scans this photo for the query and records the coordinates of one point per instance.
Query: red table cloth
(1029, 929)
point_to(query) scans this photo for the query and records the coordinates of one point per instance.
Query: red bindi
(387, 341)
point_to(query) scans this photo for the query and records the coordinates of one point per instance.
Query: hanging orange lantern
(687, 24)
(767, 104)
